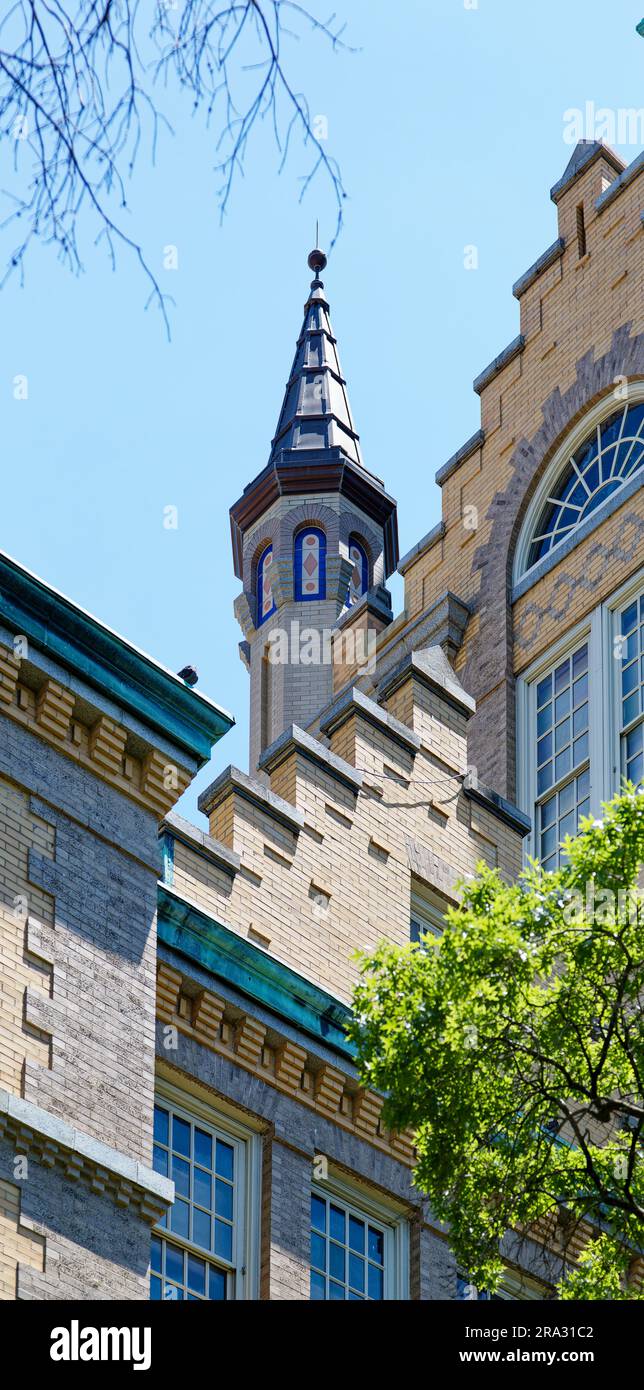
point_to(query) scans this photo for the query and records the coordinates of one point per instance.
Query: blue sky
(449, 127)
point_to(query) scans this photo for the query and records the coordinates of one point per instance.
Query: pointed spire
(316, 412)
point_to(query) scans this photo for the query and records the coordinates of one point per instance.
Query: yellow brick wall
(344, 882)
(17, 1246)
(20, 831)
(572, 309)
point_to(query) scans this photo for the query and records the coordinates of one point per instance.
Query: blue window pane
(216, 1286)
(544, 720)
(376, 1247)
(225, 1160)
(318, 1286)
(580, 691)
(630, 708)
(544, 749)
(202, 1188)
(580, 720)
(356, 1235)
(337, 1224)
(580, 661)
(336, 1261)
(544, 689)
(318, 1251)
(629, 678)
(224, 1199)
(201, 1229)
(203, 1148)
(548, 811)
(548, 841)
(356, 1273)
(544, 778)
(376, 1282)
(223, 1240)
(174, 1263)
(568, 825)
(160, 1160)
(155, 1288)
(318, 1213)
(562, 706)
(180, 1219)
(181, 1177)
(580, 750)
(180, 1136)
(562, 676)
(562, 764)
(196, 1274)
(356, 1297)
(566, 798)
(562, 735)
(629, 618)
(160, 1125)
(156, 1255)
(336, 1291)
(583, 784)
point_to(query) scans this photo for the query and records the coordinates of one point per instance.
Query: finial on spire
(316, 260)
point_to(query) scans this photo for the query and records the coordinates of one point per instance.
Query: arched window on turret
(265, 600)
(310, 564)
(359, 582)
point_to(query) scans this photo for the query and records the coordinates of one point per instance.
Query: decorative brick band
(55, 1143)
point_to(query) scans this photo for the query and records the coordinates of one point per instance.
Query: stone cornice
(103, 659)
(54, 1143)
(98, 742)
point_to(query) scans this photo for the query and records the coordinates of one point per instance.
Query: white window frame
(246, 1142)
(389, 1216)
(599, 629)
(427, 911)
(633, 394)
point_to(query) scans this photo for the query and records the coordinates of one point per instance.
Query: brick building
(207, 1136)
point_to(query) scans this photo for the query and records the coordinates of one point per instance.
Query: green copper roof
(230, 957)
(106, 661)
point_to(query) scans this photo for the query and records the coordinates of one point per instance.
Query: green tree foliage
(513, 1047)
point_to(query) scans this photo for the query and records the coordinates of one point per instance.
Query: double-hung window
(581, 722)
(358, 1248)
(200, 1247)
(561, 752)
(427, 912)
(629, 650)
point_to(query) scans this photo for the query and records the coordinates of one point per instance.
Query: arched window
(604, 460)
(359, 582)
(310, 564)
(265, 600)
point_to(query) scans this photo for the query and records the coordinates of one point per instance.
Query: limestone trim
(54, 1143)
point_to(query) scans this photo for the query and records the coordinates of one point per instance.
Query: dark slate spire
(316, 412)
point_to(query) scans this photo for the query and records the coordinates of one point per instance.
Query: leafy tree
(513, 1047)
(85, 85)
